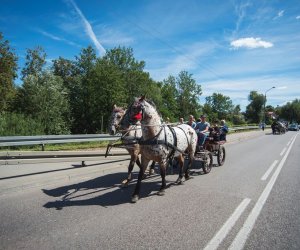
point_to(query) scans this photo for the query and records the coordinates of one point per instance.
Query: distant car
(293, 127)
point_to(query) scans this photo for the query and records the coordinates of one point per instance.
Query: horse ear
(143, 97)
(115, 106)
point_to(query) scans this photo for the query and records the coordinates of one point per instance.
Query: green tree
(44, 98)
(34, 62)
(8, 73)
(291, 111)
(12, 124)
(255, 108)
(237, 117)
(220, 105)
(188, 94)
(169, 93)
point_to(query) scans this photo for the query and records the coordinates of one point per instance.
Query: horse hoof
(134, 199)
(179, 181)
(188, 177)
(161, 192)
(125, 183)
(151, 172)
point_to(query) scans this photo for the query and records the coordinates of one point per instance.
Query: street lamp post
(264, 114)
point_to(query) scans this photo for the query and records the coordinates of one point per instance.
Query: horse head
(145, 108)
(115, 119)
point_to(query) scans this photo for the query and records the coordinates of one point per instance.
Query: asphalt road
(251, 202)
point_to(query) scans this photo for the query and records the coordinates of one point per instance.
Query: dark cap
(203, 116)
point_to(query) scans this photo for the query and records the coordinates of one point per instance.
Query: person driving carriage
(202, 130)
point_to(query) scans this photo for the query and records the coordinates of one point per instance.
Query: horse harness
(156, 141)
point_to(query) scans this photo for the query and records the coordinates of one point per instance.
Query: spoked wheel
(221, 156)
(207, 163)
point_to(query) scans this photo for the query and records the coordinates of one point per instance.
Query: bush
(12, 124)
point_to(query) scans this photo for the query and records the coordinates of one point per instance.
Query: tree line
(76, 96)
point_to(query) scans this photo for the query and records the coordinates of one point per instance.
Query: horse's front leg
(163, 167)
(130, 168)
(136, 192)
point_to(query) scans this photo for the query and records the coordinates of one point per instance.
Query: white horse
(130, 134)
(161, 142)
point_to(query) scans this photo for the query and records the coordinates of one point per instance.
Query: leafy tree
(66, 69)
(12, 124)
(188, 94)
(44, 98)
(131, 75)
(255, 108)
(220, 105)
(81, 91)
(34, 63)
(237, 117)
(169, 92)
(291, 111)
(8, 72)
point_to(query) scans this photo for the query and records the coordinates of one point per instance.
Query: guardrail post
(43, 147)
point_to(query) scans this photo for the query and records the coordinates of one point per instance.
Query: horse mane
(118, 109)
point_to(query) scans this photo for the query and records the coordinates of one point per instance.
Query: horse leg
(163, 166)
(187, 171)
(133, 159)
(139, 164)
(151, 170)
(135, 195)
(180, 160)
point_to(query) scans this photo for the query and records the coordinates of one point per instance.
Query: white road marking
(225, 229)
(265, 176)
(282, 152)
(246, 229)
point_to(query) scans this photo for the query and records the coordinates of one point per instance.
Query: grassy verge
(59, 147)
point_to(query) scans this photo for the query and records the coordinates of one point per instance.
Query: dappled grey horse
(160, 142)
(131, 132)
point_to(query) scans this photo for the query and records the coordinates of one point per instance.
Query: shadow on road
(102, 191)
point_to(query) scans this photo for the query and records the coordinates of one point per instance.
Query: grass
(59, 147)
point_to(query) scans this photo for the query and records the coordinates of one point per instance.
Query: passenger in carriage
(223, 130)
(191, 121)
(202, 130)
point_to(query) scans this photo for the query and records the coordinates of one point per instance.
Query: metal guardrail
(235, 129)
(7, 141)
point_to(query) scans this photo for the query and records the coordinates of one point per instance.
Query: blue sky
(230, 47)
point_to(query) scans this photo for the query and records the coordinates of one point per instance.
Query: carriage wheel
(221, 156)
(207, 163)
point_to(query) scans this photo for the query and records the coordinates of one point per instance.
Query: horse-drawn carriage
(278, 128)
(213, 146)
(161, 143)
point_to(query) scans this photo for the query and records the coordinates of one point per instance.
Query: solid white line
(289, 142)
(282, 152)
(265, 176)
(246, 229)
(225, 229)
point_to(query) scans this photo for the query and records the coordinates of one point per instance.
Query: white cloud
(282, 87)
(250, 43)
(112, 36)
(297, 17)
(89, 29)
(279, 14)
(56, 38)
